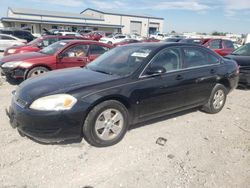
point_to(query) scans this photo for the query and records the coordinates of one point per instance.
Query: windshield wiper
(102, 71)
(235, 54)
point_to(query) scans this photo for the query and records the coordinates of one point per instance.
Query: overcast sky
(179, 15)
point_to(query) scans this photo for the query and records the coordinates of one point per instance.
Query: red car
(221, 46)
(62, 54)
(38, 44)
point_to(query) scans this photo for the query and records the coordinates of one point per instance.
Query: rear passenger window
(95, 49)
(195, 58)
(215, 44)
(228, 44)
(169, 58)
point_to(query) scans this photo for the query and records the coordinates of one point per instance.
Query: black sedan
(242, 57)
(126, 85)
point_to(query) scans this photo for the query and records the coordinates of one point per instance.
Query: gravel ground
(201, 150)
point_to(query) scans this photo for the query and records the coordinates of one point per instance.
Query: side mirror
(40, 45)
(156, 70)
(60, 56)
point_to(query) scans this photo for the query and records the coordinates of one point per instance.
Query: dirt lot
(201, 150)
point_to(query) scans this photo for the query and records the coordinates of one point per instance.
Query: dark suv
(22, 34)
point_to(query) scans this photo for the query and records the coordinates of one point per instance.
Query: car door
(74, 56)
(200, 71)
(161, 93)
(95, 51)
(6, 42)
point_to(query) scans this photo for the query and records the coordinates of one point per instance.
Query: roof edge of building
(121, 14)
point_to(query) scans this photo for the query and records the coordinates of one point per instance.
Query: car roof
(60, 36)
(85, 42)
(162, 44)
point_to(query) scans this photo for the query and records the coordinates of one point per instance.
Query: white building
(37, 20)
(140, 24)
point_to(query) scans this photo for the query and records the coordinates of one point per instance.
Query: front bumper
(14, 73)
(244, 75)
(46, 126)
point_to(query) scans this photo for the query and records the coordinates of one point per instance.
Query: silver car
(7, 41)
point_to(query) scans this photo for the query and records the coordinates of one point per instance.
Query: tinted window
(6, 32)
(76, 51)
(120, 37)
(228, 44)
(95, 49)
(169, 58)
(195, 57)
(49, 41)
(215, 44)
(18, 34)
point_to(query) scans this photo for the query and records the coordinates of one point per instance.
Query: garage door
(135, 27)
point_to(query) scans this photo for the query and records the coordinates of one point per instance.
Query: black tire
(110, 43)
(211, 106)
(89, 128)
(34, 71)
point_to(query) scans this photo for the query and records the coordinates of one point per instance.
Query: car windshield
(243, 50)
(34, 41)
(121, 61)
(53, 48)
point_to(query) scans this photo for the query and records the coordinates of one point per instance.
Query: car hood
(60, 81)
(22, 57)
(241, 60)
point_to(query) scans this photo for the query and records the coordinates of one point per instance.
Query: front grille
(21, 102)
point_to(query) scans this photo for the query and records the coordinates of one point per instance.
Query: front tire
(106, 124)
(36, 71)
(217, 100)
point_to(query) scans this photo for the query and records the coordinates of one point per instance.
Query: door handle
(179, 77)
(212, 71)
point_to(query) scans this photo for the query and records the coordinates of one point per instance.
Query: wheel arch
(123, 100)
(34, 66)
(225, 82)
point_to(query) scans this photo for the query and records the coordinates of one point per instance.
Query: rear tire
(36, 71)
(216, 100)
(106, 124)
(110, 43)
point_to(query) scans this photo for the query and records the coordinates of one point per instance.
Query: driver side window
(169, 58)
(76, 51)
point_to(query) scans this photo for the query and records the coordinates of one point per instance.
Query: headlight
(11, 51)
(54, 102)
(12, 64)
(15, 64)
